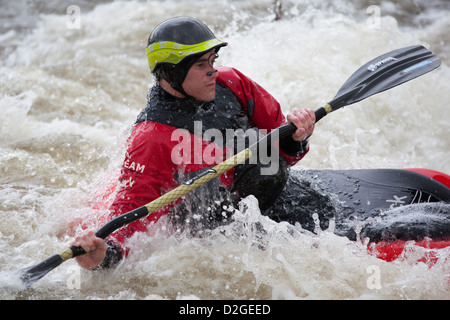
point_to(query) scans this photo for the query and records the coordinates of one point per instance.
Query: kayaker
(171, 139)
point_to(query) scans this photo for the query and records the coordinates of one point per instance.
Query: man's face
(197, 83)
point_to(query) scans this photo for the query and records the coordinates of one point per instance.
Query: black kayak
(394, 211)
(379, 204)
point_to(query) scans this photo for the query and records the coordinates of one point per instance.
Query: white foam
(68, 98)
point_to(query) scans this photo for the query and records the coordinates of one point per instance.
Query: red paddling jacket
(173, 139)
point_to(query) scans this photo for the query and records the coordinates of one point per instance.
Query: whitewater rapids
(70, 90)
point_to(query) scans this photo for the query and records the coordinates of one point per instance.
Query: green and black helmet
(175, 44)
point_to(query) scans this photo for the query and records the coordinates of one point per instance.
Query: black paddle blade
(382, 73)
(385, 72)
(32, 274)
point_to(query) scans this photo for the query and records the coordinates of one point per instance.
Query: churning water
(71, 85)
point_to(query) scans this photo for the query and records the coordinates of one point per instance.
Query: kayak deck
(394, 209)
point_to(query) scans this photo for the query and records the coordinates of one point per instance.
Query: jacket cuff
(293, 148)
(113, 256)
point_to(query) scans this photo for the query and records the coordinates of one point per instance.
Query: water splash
(69, 96)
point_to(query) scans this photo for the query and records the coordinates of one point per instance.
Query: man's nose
(210, 73)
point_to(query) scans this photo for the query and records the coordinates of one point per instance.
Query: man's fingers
(304, 120)
(87, 241)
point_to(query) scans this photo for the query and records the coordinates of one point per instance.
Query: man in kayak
(192, 113)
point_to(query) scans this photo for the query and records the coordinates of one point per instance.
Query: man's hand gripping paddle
(380, 74)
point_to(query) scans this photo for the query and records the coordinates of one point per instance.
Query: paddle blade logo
(380, 63)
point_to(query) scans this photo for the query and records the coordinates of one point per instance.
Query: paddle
(380, 74)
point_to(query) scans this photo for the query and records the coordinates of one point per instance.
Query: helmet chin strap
(180, 89)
